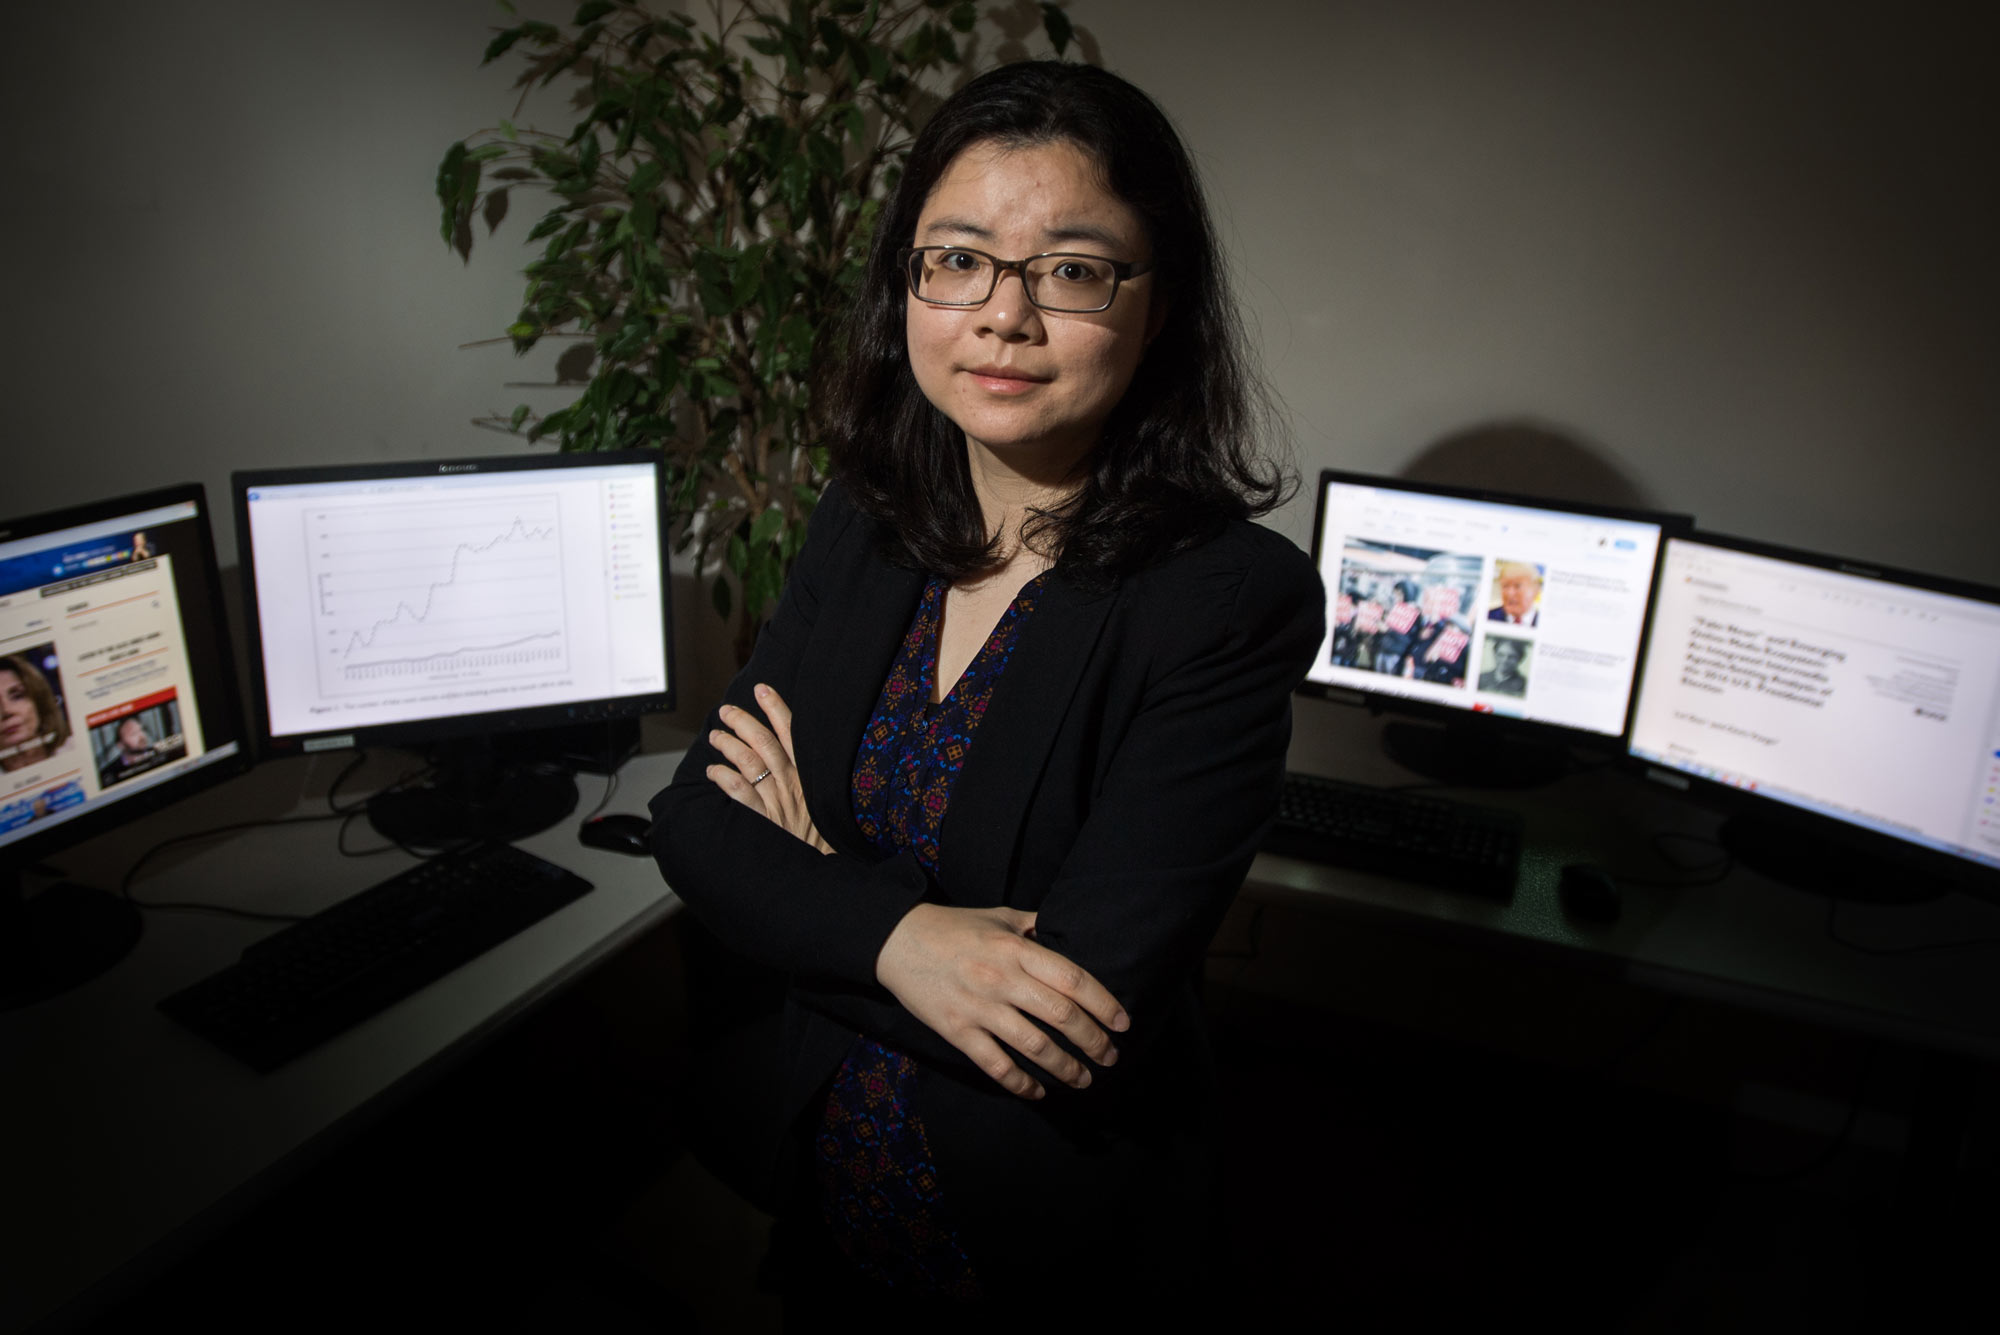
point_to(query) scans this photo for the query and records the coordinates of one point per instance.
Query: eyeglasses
(1072, 284)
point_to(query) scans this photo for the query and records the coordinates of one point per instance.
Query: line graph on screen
(407, 595)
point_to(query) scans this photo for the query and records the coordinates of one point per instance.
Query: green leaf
(486, 153)
(449, 179)
(719, 595)
(521, 330)
(761, 582)
(767, 527)
(743, 277)
(507, 129)
(645, 219)
(520, 416)
(964, 15)
(736, 555)
(550, 425)
(500, 45)
(794, 542)
(592, 11)
(648, 176)
(1056, 24)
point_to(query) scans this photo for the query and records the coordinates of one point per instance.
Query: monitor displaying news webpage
(1872, 702)
(97, 693)
(1482, 605)
(402, 599)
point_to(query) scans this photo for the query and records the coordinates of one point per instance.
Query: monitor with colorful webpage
(1505, 615)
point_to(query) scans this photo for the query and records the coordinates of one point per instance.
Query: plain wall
(1737, 252)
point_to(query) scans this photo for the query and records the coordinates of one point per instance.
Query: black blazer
(1118, 785)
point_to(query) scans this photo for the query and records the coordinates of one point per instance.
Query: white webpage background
(1593, 598)
(613, 611)
(1867, 750)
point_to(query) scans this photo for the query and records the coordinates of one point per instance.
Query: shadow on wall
(1530, 459)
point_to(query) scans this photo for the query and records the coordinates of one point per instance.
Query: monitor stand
(475, 792)
(58, 938)
(1466, 756)
(1803, 857)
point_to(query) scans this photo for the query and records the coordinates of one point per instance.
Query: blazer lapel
(862, 622)
(990, 799)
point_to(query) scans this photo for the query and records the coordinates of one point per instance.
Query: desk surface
(1744, 940)
(131, 1139)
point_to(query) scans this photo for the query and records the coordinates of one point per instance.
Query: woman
(32, 723)
(1003, 755)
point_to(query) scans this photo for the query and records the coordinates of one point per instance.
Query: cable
(335, 811)
(195, 906)
(610, 787)
(333, 789)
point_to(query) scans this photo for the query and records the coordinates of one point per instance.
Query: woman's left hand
(761, 772)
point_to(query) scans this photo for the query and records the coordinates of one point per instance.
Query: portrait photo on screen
(34, 720)
(1516, 595)
(137, 737)
(1503, 665)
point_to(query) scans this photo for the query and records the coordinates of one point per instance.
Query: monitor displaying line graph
(441, 592)
(413, 601)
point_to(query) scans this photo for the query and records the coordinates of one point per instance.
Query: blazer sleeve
(1192, 783)
(766, 894)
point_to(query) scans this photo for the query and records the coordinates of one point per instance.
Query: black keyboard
(299, 987)
(1450, 845)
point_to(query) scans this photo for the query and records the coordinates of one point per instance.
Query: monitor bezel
(508, 721)
(1498, 726)
(227, 705)
(1730, 800)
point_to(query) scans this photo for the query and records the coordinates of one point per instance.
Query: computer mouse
(1588, 893)
(618, 832)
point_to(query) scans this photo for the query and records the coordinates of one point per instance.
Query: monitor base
(1805, 859)
(60, 938)
(475, 795)
(1467, 757)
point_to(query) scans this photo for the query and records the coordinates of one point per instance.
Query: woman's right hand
(976, 977)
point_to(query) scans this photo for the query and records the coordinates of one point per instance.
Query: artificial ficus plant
(710, 215)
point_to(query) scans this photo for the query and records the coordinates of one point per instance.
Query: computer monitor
(1848, 716)
(465, 606)
(1508, 627)
(117, 697)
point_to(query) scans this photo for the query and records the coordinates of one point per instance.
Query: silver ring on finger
(760, 778)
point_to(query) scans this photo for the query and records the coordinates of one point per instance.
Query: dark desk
(1746, 940)
(131, 1141)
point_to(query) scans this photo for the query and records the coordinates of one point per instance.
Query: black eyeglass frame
(1120, 271)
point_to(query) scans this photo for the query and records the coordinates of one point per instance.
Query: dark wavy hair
(1180, 455)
